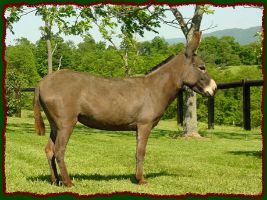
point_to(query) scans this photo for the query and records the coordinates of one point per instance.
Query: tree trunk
(18, 99)
(49, 47)
(190, 122)
(190, 127)
(49, 56)
(126, 66)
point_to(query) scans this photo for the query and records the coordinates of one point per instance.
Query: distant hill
(242, 36)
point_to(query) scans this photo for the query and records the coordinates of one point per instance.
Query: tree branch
(179, 17)
(54, 49)
(210, 27)
(196, 20)
(251, 6)
(127, 13)
(171, 23)
(26, 13)
(59, 63)
(109, 39)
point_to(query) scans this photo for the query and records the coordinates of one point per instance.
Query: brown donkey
(134, 104)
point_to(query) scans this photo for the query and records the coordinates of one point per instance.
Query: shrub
(14, 82)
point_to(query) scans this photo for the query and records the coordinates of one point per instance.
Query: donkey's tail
(39, 123)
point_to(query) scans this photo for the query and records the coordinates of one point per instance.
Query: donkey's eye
(202, 67)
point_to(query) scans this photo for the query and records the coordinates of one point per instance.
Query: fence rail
(245, 84)
(27, 89)
(240, 84)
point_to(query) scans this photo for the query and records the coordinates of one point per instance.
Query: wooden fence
(245, 84)
(27, 89)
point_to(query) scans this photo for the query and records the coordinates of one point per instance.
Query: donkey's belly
(106, 125)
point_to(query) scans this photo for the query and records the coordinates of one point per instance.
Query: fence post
(246, 106)
(18, 100)
(210, 112)
(180, 111)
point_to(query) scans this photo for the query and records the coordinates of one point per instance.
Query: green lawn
(227, 160)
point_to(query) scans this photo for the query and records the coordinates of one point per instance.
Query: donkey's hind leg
(50, 153)
(62, 139)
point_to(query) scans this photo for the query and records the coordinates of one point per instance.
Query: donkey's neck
(165, 82)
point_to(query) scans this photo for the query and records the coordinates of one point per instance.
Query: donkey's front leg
(143, 132)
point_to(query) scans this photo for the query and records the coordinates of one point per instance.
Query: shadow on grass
(23, 127)
(232, 135)
(257, 154)
(99, 177)
(20, 128)
(156, 133)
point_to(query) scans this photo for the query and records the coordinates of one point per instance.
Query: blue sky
(223, 18)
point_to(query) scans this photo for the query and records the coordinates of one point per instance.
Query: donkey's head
(196, 76)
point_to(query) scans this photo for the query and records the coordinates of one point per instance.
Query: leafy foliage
(20, 58)
(62, 54)
(21, 72)
(14, 82)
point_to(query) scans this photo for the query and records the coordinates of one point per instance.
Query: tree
(58, 16)
(21, 72)
(62, 54)
(258, 50)
(128, 20)
(229, 51)
(248, 55)
(20, 58)
(96, 58)
(159, 45)
(190, 127)
(14, 82)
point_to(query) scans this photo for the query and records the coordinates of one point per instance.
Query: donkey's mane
(160, 64)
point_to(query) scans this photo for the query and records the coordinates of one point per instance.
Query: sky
(223, 18)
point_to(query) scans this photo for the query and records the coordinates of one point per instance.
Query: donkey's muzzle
(211, 88)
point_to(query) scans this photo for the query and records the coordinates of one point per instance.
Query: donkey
(115, 104)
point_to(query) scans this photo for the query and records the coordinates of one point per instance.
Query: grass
(227, 161)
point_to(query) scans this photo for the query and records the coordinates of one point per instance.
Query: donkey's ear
(193, 44)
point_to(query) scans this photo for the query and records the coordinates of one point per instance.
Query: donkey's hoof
(55, 182)
(142, 182)
(69, 184)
